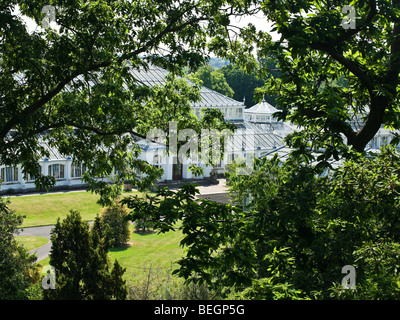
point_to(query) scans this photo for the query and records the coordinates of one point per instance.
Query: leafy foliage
(330, 76)
(333, 221)
(212, 79)
(71, 84)
(244, 84)
(295, 235)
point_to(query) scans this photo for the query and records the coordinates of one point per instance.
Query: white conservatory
(251, 139)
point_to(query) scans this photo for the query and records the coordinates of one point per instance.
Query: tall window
(238, 113)
(231, 158)
(229, 113)
(224, 111)
(77, 170)
(9, 174)
(57, 171)
(376, 142)
(156, 161)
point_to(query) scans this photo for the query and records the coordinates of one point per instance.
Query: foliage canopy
(298, 231)
(331, 73)
(71, 85)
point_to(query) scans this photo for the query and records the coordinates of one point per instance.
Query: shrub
(144, 225)
(158, 283)
(118, 229)
(296, 234)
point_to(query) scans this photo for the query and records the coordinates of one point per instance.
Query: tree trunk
(371, 126)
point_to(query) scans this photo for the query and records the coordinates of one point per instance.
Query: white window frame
(77, 170)
(9, 172)
(156, 161)
(61, 169)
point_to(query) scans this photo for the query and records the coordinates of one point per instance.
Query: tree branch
(351, 32)
(173, 26)
(352, 66)
(46, 98)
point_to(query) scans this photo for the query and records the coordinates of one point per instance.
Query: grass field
(148, 258)
(31, 242)
(45, 209)
(151, 250)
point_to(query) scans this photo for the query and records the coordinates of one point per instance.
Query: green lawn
(158, 251)
(32, 242)
(45, 209)
(144, 251)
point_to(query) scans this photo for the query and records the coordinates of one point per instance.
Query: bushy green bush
(348, 217)
(113, 219)
(18, 274)
(143, 225)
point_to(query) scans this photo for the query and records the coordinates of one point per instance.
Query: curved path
(42, 231)
(216, 192)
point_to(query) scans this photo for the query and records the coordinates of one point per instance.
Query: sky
(259, 21)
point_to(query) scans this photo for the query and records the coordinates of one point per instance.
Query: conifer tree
(83, 269)
(17, 271)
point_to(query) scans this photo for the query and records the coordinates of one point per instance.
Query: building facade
(259, 133)
(250, 140)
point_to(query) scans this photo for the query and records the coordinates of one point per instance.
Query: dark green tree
(244, 84)
(112, 218)
(80, 258)
(17, 266)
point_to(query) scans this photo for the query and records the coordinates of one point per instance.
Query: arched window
(9, 174)
(57, 171)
